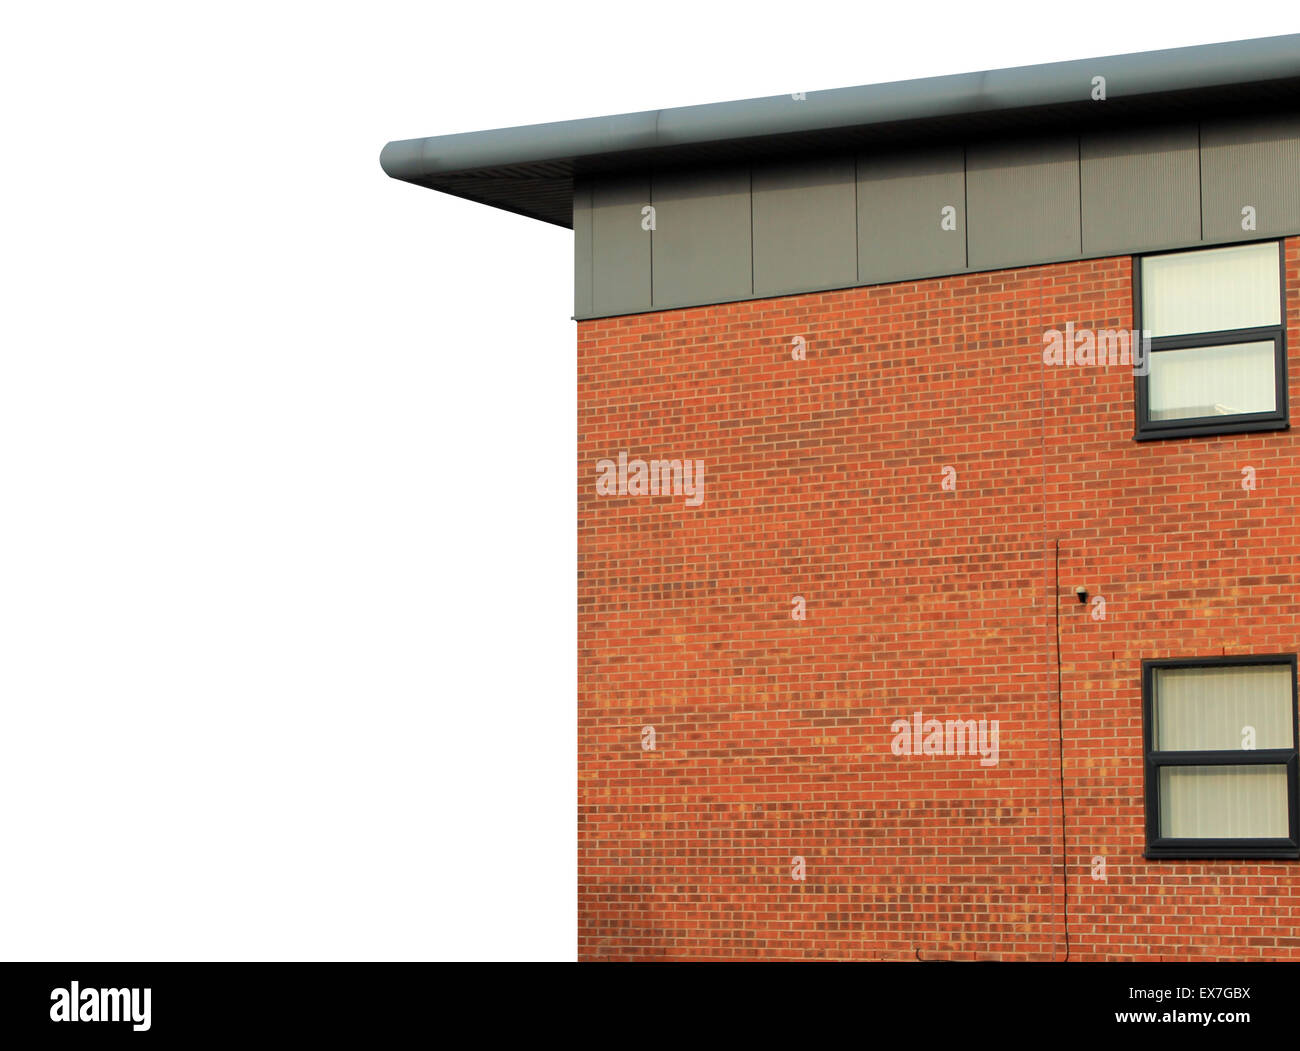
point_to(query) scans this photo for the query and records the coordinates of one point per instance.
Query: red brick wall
(773, 735)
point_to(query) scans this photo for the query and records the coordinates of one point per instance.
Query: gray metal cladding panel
(1252, 163)
(901, 211)
(1141, 189)
(582, 249)
(803, 226)
(702, 237)
(620, 249)
(1023, 201)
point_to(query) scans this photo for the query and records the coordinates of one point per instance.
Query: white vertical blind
(1210, 709)
(1206, 709)
(1211, 381)
(1212, 291)
(1223, 802)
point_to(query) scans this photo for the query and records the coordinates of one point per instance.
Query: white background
(287, 521)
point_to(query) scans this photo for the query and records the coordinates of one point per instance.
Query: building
(928, 609)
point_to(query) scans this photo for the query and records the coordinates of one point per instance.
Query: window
(1217, 362)
(1221, 748)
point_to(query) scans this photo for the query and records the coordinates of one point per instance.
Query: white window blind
(1223, 802)
(1211, 291)
(1212, 381)
(1223, 708)
(1206, 709)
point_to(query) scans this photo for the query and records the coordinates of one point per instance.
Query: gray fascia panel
(620, 274)
(583, 253)
(1140, 189)
(901, 203)
(1251, 163)
(1023, 202)
(703, 251)
(803, 226)
(1030, 203)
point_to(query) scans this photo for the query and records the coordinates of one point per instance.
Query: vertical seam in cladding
(1200, 182)
(650, 196)
(1078, 155)
(857, 222)
(965, 205)
(753, 286)
(590, 194)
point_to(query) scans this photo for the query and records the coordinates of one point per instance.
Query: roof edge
(1127, 76)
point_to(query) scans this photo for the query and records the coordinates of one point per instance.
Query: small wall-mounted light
(1082, 594)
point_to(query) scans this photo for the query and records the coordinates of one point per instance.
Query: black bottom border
(375, 1002)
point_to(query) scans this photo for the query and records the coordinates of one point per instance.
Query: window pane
(1206, 709)
(1211, 381)
(1223, 802)
(1211, 291)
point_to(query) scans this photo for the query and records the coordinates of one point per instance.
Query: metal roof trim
(510, 151)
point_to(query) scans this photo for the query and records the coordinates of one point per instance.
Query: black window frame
(1146, 429)
(1170, 847)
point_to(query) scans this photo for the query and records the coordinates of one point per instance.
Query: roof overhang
(531, 170)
